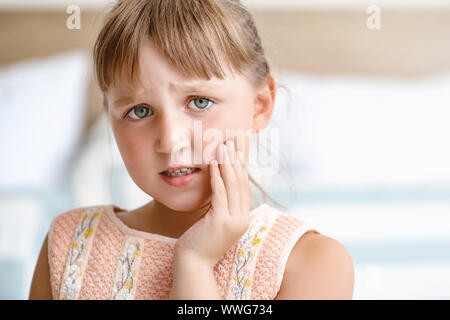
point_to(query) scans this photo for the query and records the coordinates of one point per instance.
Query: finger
(220, 154)
(231, 152)
(232, 185)
(239, 171)
(246, 194)
(219, 194)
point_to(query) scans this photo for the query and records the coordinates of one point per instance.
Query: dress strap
(77, 257)
(246, 256)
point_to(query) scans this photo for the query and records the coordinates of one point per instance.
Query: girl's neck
(162, 220)
(154, 217)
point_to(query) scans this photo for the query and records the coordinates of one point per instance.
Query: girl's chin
(185, 203)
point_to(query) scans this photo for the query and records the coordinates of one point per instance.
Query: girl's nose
(173, 134)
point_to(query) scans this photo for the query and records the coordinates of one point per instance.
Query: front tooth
(181, 172)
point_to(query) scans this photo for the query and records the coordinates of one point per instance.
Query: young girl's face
(145, 116)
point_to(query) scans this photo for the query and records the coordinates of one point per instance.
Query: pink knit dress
(93, 255)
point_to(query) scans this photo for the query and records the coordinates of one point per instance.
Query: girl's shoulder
(319, 267)
(301, 258)
(69, 238)
(73, 216)
(262, 252)
(73, 222)
(80, 210)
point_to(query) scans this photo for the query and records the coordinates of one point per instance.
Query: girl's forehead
(178, 85)
(124, 90)
(154, 64)
(147, 80)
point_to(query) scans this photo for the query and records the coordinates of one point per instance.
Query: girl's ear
(264, 103)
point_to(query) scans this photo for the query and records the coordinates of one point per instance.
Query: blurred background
(363, 117)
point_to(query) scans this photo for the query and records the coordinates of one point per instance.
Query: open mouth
(180, 172)
(179, 177)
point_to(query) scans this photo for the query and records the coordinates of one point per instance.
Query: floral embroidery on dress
(245, 251)
(77, 253)
(125, 281)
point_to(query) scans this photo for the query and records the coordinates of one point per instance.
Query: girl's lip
(179, 181)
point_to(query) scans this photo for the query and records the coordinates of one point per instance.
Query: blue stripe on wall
(399, 252)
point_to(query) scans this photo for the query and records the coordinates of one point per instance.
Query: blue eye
(203, 104)
(140, 111)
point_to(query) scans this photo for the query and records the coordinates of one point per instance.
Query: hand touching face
(228, 217)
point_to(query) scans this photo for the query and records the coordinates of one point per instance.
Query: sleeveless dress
(94, 255)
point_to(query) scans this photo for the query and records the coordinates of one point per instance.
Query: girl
(167, 68)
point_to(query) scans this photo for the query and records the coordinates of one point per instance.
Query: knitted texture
(156, 279)
(94, 255)
(274, 254)
(98, 276)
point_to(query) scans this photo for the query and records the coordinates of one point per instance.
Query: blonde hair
(197, 36)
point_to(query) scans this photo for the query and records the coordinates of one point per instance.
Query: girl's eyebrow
(126, 100)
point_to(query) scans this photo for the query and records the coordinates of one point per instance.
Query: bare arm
(40, 285)
(193, 280)
(318, 268)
